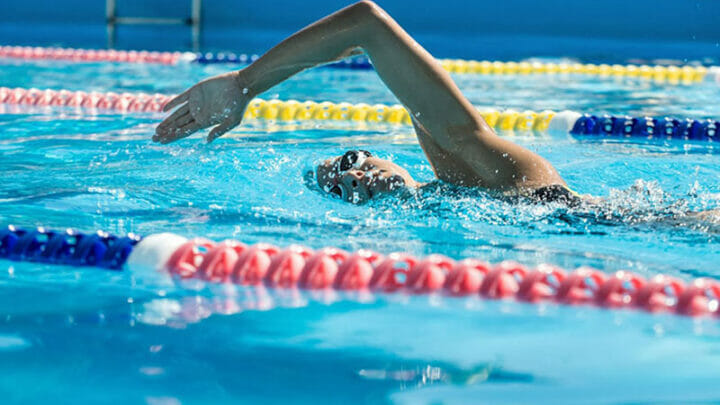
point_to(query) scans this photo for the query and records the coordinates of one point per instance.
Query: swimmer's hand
(219, 100)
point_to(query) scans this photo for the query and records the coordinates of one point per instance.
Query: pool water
(99, 336)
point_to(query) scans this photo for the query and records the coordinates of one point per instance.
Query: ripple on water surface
(132, 335)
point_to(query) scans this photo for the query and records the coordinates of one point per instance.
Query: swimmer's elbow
(367, 10)
(366, 6)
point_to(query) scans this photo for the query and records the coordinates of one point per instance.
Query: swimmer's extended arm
(458, 142)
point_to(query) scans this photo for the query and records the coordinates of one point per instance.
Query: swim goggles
(352, 159)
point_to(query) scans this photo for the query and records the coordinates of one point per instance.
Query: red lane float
(390, 275)
(252, 265)
(699, 298)
(540, 284)
(619, 290)
(320, 270)
(285, 268)
(357, 270)
(89, 55)
(580, 286)
(659, 294)
(429, 274)
(218, 263)
(125, 102)
(186, 260)
(503, 281)
(330, 268)
(466, 277)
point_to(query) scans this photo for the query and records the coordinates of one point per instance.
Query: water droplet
(245, 90)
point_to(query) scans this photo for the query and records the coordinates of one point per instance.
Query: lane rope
(68, 247)
(292, 110)
(658, 73)
(94, 55)
(669, 74)
(298, 267)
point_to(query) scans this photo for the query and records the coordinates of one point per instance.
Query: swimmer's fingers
(227, 124)
(171, 120)
(181, 132)
(165, 135)
(177, 119)
(177, 100)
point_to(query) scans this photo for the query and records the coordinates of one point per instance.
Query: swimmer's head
(357, 176)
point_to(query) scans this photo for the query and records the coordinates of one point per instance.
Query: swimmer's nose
(357, 174)
(357, 189)
(353, 178)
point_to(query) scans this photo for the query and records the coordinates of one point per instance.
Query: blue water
(97, 336)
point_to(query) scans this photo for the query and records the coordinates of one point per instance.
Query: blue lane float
(208, 58)
(648, 127)
(68, 247)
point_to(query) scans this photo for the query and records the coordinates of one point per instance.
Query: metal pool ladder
(193, 21)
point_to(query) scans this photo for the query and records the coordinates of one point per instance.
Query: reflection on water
(92, 335)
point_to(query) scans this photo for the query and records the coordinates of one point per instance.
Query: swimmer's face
(357, 176)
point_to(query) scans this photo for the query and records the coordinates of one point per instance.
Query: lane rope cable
(298, 267)
(291, 110)
(668, 74)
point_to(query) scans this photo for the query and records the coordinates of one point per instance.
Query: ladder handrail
(194, 21)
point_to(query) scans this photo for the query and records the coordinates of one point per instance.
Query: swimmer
(462, 149)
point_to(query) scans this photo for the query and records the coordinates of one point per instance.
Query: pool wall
(610, 29)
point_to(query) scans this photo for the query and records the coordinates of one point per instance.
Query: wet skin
(461, 148)
(360, 183)
(459, 145)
